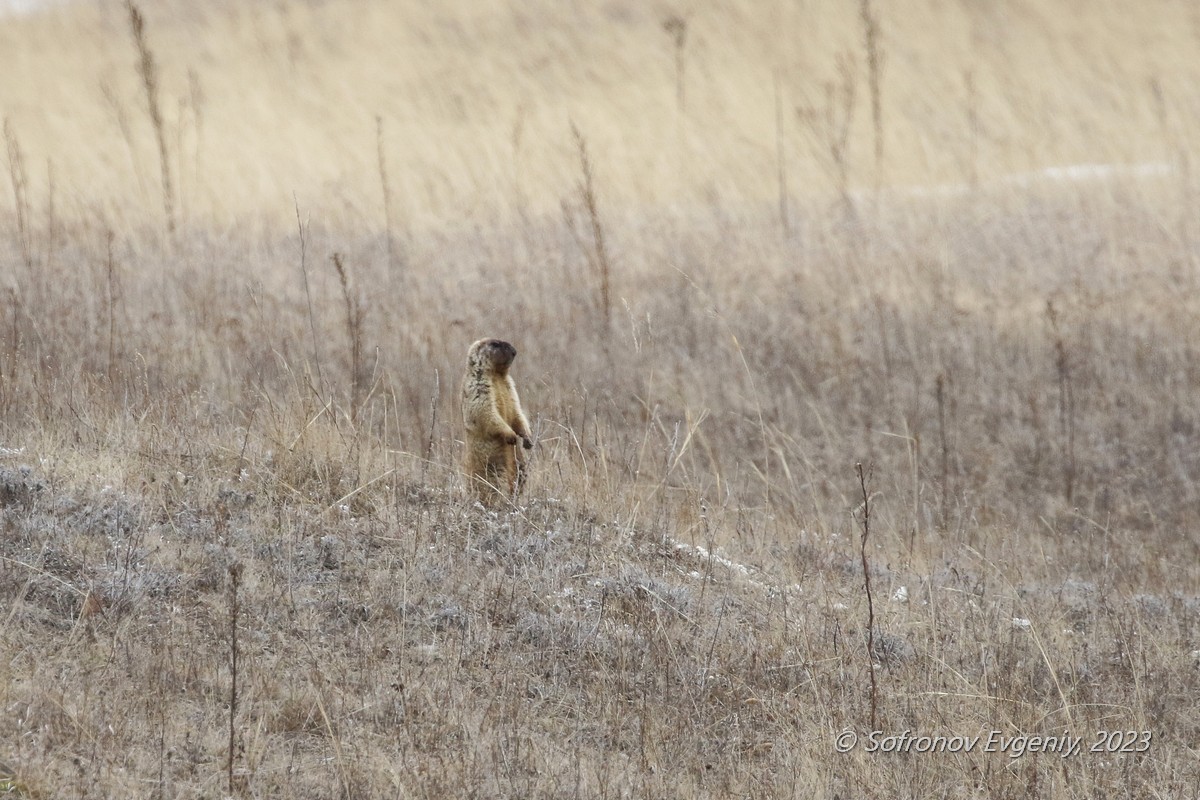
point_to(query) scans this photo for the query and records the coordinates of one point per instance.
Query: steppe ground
(741, 248)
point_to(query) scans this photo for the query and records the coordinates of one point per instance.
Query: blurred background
(468, 106)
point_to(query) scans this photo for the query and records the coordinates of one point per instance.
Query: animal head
(493, 355)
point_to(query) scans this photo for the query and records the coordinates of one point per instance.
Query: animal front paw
(525, 440)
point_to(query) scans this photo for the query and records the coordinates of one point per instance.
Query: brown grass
(236, 553)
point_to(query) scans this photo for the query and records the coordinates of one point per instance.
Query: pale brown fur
(494, 421)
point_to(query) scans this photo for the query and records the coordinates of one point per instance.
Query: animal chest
(502, 394)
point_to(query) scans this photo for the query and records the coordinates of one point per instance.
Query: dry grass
(251, 426)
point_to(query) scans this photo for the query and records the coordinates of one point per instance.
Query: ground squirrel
(494, 420)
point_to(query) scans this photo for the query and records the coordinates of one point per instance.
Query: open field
(236, 555)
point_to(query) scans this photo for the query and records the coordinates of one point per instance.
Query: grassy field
(741, 248)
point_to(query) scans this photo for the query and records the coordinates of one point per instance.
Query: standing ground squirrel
(494, 420)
